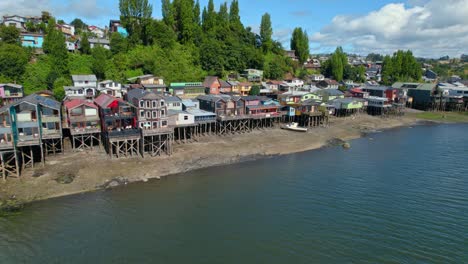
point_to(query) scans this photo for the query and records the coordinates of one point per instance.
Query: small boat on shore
(294, 127)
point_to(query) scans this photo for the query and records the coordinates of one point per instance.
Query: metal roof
(142, 94)
(35, 99)
(89, 77)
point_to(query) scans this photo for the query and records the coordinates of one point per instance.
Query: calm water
(396, 197)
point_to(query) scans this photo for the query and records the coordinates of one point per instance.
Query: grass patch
(455, 117)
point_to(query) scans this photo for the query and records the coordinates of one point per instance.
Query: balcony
(124, 133)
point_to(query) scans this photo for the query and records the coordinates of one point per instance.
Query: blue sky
(430, 28)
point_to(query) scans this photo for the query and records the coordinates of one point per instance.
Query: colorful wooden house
(118, 118)
(212, 84)
(151, 109)
(82, 119)
(224, 87)
(261, 106)
(34, 121)
(187, 89)
(10, 93)
(328, 94)
(223, 105)
(82, 116)
(111, 87)
(244, 88)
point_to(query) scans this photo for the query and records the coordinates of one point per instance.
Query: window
(155, 124)
(162, 103)
(148, 114)
(142, 113)
(164, 123)
(155, 104)
(142, 103)
(141, 124)
(148, 104)
(185, 117)
(163, 113)
(154, 114)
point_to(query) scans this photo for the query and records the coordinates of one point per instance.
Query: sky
(430, 28)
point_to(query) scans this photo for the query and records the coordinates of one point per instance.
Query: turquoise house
(32, 40)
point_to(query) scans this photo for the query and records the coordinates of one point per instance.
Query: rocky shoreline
(78, 172)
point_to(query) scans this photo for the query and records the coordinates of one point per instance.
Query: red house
(213, 84)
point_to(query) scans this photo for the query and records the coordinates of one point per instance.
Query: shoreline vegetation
(79, 172)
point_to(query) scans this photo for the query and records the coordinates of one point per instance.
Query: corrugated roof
(35, 99)
(103, 100)
(172, 99)
(139, 94)
(73, 103)
(89, 77)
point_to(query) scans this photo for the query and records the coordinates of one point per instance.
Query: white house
(99, 42)
(70, 46)
(177, 118)
(83, 86)
(110, 87)
(295, 83)
(97, 31)
(317, 77)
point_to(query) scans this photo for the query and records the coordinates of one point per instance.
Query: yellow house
(244, 88)
(235, 88)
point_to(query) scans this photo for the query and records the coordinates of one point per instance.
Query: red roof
(106, 100)
(356, 90)
(70, 104)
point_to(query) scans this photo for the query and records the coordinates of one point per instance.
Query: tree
(100, 55)
(209, 17)
(80, 64)
(35, 76)
(266, 33)
(79, 25)
(45, 16)
(13, 60)
(59, 92)
(374, 57)
(300, 44)
(255, 90)
(234, 18)
(118, 43)
(9, 34)
(402, 66)
(168, 13)
(135, 16)
(54, 46)
(85, 47)
(185, 22)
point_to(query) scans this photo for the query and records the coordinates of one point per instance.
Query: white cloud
(24, 7)
(429, 28)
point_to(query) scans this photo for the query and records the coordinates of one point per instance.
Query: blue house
(32, 40)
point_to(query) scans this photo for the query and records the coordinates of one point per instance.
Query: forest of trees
(187, 44)
(402, 66)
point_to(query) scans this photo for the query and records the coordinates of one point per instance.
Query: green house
(329, 94)
(348, 103)
(309, 96)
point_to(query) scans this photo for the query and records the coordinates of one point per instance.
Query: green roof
(419, 86)
(184, 84)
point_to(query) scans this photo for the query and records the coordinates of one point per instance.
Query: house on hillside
(212, 84)
(253, 75)
(99, 42)
(10, 93)
(187, 89)
(84, 86)
(100, 33)
(110, 87)
(328, 84)
(67, 30)
(32, 40)
(116, 26)
(326, 95)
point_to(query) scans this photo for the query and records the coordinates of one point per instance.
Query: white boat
(294, 127)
